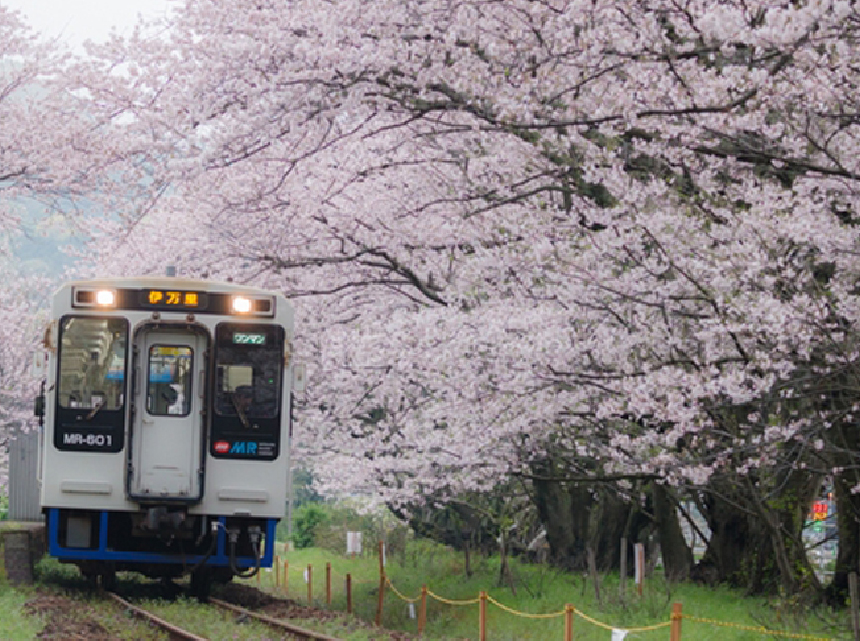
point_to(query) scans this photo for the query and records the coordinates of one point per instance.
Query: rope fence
(281, 570)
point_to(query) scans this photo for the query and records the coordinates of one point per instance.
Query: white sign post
(640, 566)
(353, 543)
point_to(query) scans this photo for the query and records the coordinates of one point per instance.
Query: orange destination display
(171, 299)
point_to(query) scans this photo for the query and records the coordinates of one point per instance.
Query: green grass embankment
(540, 590)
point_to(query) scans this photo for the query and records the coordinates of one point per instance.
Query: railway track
(176, 632)
(298, 632)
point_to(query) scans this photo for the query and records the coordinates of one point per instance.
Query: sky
(78, 20)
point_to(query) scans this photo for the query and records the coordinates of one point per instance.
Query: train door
(167, 424)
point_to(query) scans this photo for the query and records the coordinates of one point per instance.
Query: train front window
(168, 391)
(248, 362)
(92, 363)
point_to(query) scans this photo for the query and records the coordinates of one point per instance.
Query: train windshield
(92, 363)
(248, 361)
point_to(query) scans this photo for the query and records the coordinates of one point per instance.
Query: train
(165, 427)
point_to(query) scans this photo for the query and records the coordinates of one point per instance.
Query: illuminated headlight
(105, 297)
(241, 305)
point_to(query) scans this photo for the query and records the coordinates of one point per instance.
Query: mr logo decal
(249, 448)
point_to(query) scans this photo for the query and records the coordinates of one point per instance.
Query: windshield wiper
(95, 411)
(245, 423)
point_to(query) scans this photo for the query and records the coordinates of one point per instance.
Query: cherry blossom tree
(43, 131)
(575, 242)
(21, 68)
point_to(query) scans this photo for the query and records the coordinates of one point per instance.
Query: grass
(540, 590)
(203, 620)
(14, 624)
(65, 581)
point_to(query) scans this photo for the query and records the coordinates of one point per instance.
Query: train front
(166, 440)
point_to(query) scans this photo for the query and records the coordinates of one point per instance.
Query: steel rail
(173, 630)
(302, 633)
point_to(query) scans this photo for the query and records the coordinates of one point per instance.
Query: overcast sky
(79, 20)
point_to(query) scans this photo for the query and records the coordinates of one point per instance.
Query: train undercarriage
(161, 542)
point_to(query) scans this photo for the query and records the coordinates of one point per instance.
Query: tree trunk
(677, 556)
(756, 536)
(731, 541)
(505, 575)
(564, 513)
(574, 519)
(613, 520)
(781, 523)
(467, 548)
(848, 527)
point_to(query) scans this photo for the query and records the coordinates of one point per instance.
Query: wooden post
(277, 571)
(259, 574)
(639, 559)
(310, 584)
(675, 634)
(328, 584)
(422, 610)
(349, 594)
(855, 605)
(568, 622)
(381, 583)
(286, 577)
(623, 569)
(482, 616)
(592, 570)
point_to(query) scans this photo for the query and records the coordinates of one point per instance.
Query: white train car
(165, 446)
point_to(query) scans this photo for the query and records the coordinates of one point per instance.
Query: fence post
(568, 622)
(855, 606)
(286, 577)
(422, 610)
(349, 594)
(623, 569)
(381, 583)
(675, 634)
(310, 584)
(482, 616)
(328, 584)
(592, 570)
(277, 570)
(639, 559)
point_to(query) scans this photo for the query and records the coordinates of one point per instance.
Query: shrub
(308, 517)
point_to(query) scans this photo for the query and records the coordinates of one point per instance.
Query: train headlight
(105, 297)
(241, 305)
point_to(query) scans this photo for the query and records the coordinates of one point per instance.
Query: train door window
(169, 381)
(92, 363)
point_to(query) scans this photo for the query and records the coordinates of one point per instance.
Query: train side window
(92, 363)
(169, 381)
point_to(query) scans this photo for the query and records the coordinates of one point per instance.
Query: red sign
(819, 511)
(221, 447)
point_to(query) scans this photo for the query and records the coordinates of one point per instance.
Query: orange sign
(166, 298)
(819, 511)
